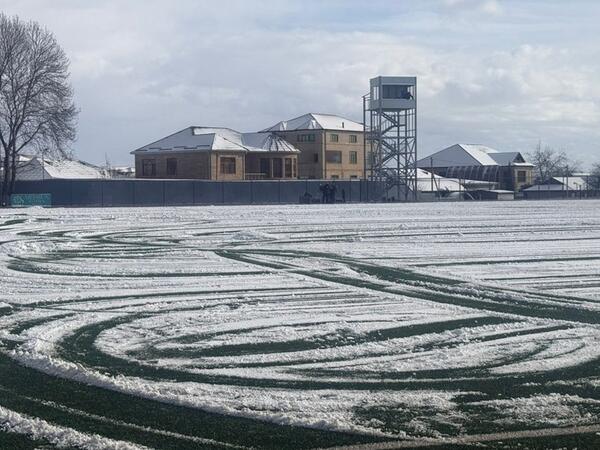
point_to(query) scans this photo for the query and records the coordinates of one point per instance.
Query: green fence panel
(31, 200)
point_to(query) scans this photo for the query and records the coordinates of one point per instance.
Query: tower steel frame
(390, 144)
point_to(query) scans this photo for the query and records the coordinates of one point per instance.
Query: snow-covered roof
(439, 183)
(211, 139)
(573, 183)
(458, 155)
(34, 168)
(316, 121)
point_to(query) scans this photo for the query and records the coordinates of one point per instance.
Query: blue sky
(500, 73)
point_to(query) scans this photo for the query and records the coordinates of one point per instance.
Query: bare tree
(551, 163)
(36, 98)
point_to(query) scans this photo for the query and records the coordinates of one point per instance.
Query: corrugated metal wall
(137, 192)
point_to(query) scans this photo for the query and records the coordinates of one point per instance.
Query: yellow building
(331, 147)
(217, 154)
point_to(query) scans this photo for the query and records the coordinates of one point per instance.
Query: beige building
(217, 154)
(331, 147)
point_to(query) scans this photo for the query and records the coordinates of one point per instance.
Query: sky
(506, 74)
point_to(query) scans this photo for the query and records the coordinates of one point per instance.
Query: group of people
(328, 192)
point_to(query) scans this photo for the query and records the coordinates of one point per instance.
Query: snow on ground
(385, 320)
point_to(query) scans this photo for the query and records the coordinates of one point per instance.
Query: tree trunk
(13, 174)
(5, 200)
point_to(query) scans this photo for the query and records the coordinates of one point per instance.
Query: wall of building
(345, 169)
(254, 169)
(215, 165)
(189, 165)
(312, 161)
(528, 172)
(507, 177)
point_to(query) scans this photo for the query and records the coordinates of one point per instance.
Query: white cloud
(145, 69)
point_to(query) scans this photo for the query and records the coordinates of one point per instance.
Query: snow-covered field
(298, 326)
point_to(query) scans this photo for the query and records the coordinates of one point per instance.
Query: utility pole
(431, 172)
(567, 183)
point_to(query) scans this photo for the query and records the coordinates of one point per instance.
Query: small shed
(493, 194)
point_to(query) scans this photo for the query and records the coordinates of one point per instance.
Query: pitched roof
(33, 168)
(316, 121)
(574, 183)
(470, 155)
(211, 139)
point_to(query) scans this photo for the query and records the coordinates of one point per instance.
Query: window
(353, 157)
(265, 167)
(521, 176)
(334, 137)
(306, 137)
(295, 168)
(277, 168)
(171, 166)
(227, 164)
(316, 157)
(148, 168)
(288, 168)
(335, 177)
(396, 91)
(353, 177)
(334, 157)
(353, 139)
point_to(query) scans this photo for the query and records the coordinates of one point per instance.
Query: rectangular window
(335, 177)
(171, 166)
(334, 157)
(295, 167)
(277, 168)
(353, 139)
(334, 138)
(353, 177)
(227, 165)
(396, 91)
(288, 167)
(353, 157)
(148, 168)
(521, 176)
(316, 157)
(265, 167)
(306, 137)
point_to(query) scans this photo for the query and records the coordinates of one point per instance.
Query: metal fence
(136, 192)
(543, 194)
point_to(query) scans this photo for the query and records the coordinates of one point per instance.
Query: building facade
(470, 162)
(331, 147)
(217, 154)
